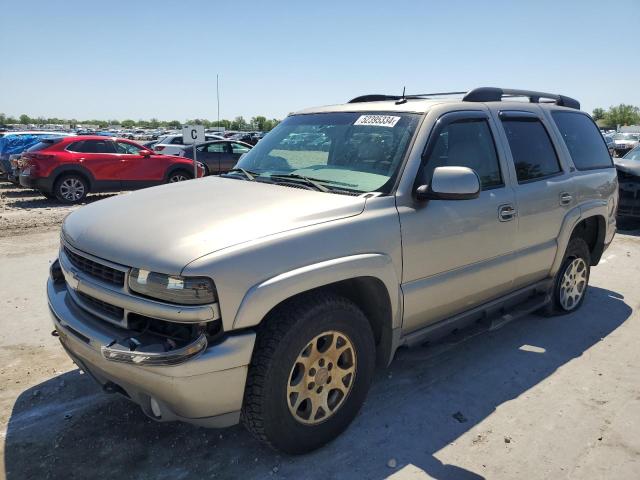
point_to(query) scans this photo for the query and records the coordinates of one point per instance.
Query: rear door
(214, 156)
(237, 149)
(544, 190)
(100, 158)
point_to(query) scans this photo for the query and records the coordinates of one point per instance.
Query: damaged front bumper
(199, 383)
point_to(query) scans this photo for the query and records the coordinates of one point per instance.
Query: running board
(489, 316)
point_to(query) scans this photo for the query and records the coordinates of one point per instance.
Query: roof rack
(379, 97)
(482, 94)
(493, 94)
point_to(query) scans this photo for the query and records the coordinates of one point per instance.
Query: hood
(625, 142)
(164, 228)
(627, 166)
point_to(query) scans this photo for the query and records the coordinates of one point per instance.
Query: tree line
(619, 115)
(239, 123)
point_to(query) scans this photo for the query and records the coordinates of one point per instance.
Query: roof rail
(493, 94)
(380, 97)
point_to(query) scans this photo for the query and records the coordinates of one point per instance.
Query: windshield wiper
(251, 176)
(307, 180)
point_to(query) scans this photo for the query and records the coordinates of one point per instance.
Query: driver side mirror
(145, 153)
(450, 183)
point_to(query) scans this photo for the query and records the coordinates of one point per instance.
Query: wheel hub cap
(321, 378)
(574, 284)
(71, 189)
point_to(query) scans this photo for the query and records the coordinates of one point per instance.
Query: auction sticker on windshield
(377, 120)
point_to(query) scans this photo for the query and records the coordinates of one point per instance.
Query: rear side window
(583, 139)
(531, 148)
(238, 148)
(217, 147)
(92, 146)
(466, 143)
(177, 141)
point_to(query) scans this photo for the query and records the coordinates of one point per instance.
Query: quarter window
(583, 140)
(531, 148)
(466, 143)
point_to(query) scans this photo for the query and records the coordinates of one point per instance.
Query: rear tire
(71, 188)
(572, 280)
(310, 373)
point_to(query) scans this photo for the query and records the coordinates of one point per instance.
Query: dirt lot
(538, 398)
(23, 210)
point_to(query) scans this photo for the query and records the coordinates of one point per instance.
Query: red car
(70, 167)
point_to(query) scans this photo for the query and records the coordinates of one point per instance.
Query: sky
(158, 59)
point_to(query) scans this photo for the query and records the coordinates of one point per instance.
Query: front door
(136, 170)
(457, 254)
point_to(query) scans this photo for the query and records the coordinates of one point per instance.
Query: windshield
(626, 136)
(356, 152)
(633, 154)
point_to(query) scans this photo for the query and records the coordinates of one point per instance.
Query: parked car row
(68, 168)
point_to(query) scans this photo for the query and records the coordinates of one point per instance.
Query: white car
(172, 144)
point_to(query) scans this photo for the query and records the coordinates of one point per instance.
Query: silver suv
(270, 294)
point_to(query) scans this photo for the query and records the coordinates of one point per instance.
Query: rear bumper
(205, 390)
(42, 184)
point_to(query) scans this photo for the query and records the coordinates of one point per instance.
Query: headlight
(173, 288)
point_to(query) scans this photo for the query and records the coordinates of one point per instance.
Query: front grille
(95, 269)
(111, 311)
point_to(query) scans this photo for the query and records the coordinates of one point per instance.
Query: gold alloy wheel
(321, 378)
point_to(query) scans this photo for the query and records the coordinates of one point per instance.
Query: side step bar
(491, 315)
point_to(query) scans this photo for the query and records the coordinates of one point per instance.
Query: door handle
(565, 198)
(506, 213)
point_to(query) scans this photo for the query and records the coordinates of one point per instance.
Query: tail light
(33, 162)
(158, 148)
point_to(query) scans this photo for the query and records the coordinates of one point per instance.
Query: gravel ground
(538, 398)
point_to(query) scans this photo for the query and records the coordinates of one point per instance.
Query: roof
(423, 102)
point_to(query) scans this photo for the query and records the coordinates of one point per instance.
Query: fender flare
(574, 216)
(264, 296)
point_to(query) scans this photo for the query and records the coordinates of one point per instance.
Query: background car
(608, 139)
(218, 156)
(172, 144)
(629, 185)
(623, 142)
(69, 168)
(15, 143)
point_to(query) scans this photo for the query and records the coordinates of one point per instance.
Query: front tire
(310, 373)
(71, 188)
(179, 176)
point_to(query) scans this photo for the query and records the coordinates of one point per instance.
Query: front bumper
(205, 390)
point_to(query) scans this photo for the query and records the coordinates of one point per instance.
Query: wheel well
(592, 230)
(177, 168)
(371, 296)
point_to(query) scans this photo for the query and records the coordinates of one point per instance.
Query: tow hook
(54, 333)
